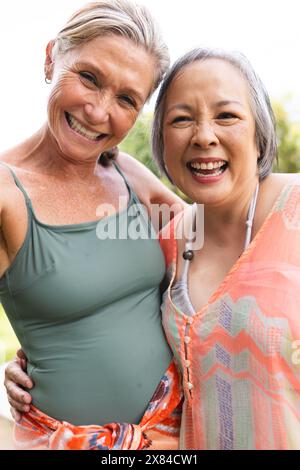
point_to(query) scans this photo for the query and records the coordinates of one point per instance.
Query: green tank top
(86, 311)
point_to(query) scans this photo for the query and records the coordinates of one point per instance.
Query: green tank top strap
(132, 194)
(134, 200)
(141, 210)
(18, 184)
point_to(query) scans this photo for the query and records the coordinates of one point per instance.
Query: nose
(204, 135)
(98, 108)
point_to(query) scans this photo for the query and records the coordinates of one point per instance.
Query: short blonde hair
(121, 17)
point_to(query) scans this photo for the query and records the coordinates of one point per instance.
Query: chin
(208, 195)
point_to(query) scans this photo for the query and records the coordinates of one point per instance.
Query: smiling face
(209, 133)
(98, 90)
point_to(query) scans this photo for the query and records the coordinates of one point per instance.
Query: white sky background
(267, 31)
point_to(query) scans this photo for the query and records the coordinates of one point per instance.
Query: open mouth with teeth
(215, 168)
(79, 129)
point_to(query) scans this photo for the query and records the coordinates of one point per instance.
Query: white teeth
(215, 173)
(207, 166)
(76, 126)
(199, 168)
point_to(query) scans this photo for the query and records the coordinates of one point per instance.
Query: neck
(44, 155)
(226, 223)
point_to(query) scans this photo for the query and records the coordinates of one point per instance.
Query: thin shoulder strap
(130, 190)
(18, 183)
(140, 209)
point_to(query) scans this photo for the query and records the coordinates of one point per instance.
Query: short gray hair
(265, 129)
(121, 17)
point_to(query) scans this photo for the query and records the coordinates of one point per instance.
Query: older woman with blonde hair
(231, 312)
(86, 310)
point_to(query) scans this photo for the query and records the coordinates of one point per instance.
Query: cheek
(53, 107)
(173, 153)
(176, 142)
(63, 97)
(66, 91)
(123, 121)
(240, 143)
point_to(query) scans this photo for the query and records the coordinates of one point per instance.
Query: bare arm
(13, 219)
(149, 189)
(15, 380)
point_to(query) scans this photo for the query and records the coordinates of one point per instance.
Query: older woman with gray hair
(231, 312)
(86, 310)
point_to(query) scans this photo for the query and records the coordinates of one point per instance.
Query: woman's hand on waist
(15, 380)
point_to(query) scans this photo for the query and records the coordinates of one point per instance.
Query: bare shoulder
(284, 178)
(6, 179)
(145, 184)
(10, 160)
(9, 190)
(270, 190)
(135, 170)
(275, 183)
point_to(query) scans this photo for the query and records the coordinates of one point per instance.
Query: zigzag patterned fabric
(158, 430)
(240, 354)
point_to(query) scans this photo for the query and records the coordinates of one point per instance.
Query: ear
(48, 67)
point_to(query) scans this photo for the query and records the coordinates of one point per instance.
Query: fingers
(14, 373)
(15, 378)
(15, 414)
(21, 359)
(16, 393)
(23, 364)
(18, 407)
(21, 354)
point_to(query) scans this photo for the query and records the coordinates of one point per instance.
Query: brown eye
(226, 116)
(181, 119)
(88, 77)
(128, 100)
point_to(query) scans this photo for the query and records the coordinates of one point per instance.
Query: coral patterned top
(240, 354)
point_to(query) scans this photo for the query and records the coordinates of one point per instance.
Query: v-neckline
(216, 294)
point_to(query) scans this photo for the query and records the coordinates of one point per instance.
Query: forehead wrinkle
(179, 106)
(228, 102)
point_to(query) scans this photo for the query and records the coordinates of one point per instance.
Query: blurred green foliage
(288, 134)
(8, 341)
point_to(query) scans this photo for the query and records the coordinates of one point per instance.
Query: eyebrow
(181, 106)
(188, 108)
(225, 102)
(92, 67)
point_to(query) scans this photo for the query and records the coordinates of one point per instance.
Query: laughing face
(209, 133)
(98, 90)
